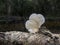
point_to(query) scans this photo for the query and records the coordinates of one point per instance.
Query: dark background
(14, 13)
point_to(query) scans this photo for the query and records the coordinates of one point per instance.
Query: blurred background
(14, 13)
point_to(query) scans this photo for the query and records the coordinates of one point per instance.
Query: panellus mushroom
(34, 23)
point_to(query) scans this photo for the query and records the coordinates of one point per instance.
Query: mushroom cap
(39, 18)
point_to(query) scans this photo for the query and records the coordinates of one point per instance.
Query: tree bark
(23, 38)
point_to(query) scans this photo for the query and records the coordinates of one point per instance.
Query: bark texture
(23, 38)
